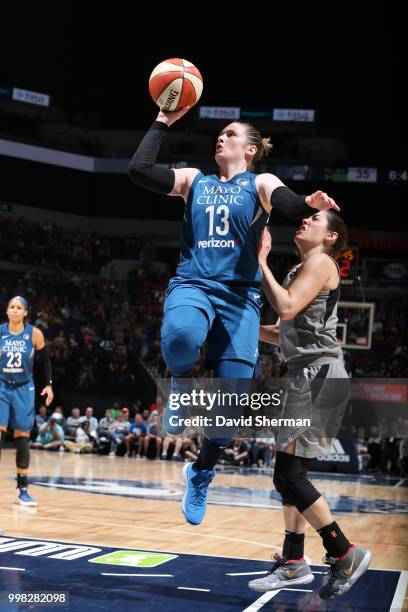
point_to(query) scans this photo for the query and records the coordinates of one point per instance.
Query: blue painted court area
(226, 496)
(120, 579)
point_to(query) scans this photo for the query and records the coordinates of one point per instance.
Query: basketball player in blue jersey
(19, 342)
(306, 333)
(215, 293)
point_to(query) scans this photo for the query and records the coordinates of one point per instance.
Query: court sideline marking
(261, 601)
(401, 588)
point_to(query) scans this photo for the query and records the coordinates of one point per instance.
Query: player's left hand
(49, 393)
(265, 245)
(169, 117)
(321, 201)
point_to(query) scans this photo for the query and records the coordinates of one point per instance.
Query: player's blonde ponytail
(263, 145)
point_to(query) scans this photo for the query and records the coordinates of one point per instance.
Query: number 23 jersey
(16, 355)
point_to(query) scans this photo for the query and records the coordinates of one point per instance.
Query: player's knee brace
(23, 452)
(184, 331)
(290, 480)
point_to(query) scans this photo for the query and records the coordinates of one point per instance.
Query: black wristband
(143, 169)
(289, 204)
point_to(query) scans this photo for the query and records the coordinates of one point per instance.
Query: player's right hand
(170, 117)
(321, 201)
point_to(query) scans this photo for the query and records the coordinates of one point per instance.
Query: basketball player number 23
(221, 210)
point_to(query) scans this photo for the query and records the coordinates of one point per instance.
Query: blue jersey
(16, 355)
(221, 228)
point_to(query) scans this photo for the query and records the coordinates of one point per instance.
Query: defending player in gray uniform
(306, 333)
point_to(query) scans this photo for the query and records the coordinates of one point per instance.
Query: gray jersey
(310, 337)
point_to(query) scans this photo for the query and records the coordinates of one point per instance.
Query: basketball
(175, 83)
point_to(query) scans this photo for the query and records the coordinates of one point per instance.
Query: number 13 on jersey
(223, 213)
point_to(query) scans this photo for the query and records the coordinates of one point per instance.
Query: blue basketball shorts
(17, 405)
(233, 315)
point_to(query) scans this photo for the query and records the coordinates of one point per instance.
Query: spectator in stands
(62, 421)
(51, 435)
(145, 416)
(84, 440)
(93, 421)
(104, 432)
(105, 424)
(153, 435)
(261, 451)
(126, 413)
(73, 422)
(118, 432)
(168, 443)
(137, 431)
(156, 409)
(236, 452)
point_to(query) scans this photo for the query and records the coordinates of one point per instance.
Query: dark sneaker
(344, 572)
(24, 498)
(283, 573)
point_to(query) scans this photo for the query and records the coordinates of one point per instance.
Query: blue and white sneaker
(24, 498)
(194, 502)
